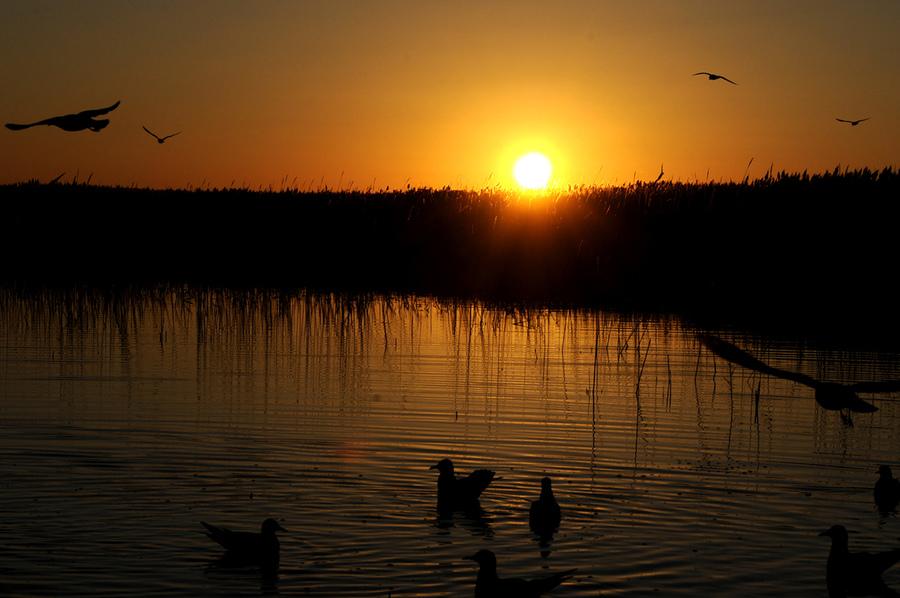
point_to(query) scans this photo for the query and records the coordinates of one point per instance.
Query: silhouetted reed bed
(820, 246)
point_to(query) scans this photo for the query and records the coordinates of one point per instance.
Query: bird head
(837, 533)
(885, 471)
(270, 526)
(484, 558)
(443, 466)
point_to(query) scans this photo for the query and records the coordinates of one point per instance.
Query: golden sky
(427, 93)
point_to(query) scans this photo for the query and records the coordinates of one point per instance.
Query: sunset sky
(424, 93)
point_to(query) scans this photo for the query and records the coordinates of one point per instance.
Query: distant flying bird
(833, 396)
(489, 585)
(856, 573)
(72, 122)
(157, 137)
(713, 76)
(887, 490)
(259, 548)
(453, 491)
(852, 123)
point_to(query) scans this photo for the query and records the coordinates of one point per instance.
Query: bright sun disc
(532, 171)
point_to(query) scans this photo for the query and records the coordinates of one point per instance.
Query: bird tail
(548, 583)
(213, 533)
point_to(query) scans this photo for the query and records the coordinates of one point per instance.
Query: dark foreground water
(126, 420)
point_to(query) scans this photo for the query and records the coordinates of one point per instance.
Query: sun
(532, 171)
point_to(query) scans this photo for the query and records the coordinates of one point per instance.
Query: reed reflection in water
(125, 419)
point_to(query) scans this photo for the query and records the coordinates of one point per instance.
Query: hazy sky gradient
(446, 93)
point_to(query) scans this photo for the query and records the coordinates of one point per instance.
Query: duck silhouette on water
(887, 490)
(79, 121)
(249, 548)
(833, 396)
(489, 585)
(545, 515)
(453, 492)
(856, 573)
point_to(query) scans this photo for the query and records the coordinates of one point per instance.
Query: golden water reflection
(676, 470)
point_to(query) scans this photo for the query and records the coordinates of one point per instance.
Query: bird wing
(731, 353)
(150, 132)
(99, 111)
(876, 386)
(15, 127)
(873, 564)
(843, 120)
(172, 135)
(863, 119)
(727, 79)
(475, 483)
(702, 73)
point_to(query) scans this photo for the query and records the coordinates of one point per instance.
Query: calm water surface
(125, 420)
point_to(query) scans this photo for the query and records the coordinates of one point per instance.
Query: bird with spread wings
(78, 121)
(157, 137)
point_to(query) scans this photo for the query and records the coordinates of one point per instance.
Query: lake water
(127, 419)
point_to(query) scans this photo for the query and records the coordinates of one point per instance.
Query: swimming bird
(713, 76)
(460, 491)
(856, 573)
(157, 137)
(73, 122)
(833, 396)
(489, 585)
(887, 490)
(258, 548)
(545, 515)
(853, 123)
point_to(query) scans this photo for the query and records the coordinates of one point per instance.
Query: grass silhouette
(788, 243)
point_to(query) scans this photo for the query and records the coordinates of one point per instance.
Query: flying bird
(833, 396)
(713, 76)
(856, 573)
(489, 585)
(157, 137)
(852, 123)
(453, 491)
(258, 548)
(73, 122)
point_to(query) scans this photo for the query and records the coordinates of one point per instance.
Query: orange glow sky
(446, 93)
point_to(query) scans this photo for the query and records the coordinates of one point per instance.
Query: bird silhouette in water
(713, 76)
(856, 573)
(489, 585)
(73, 122)
(254, 548)
(157, 137)
(460, 492)
(833, 396)
(887, 490)
(544, 515)
(853, 123)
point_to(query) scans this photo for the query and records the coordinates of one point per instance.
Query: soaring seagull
(833, 396)
(157, 137)
(713, 77)
(72, 122)
(852, 123)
